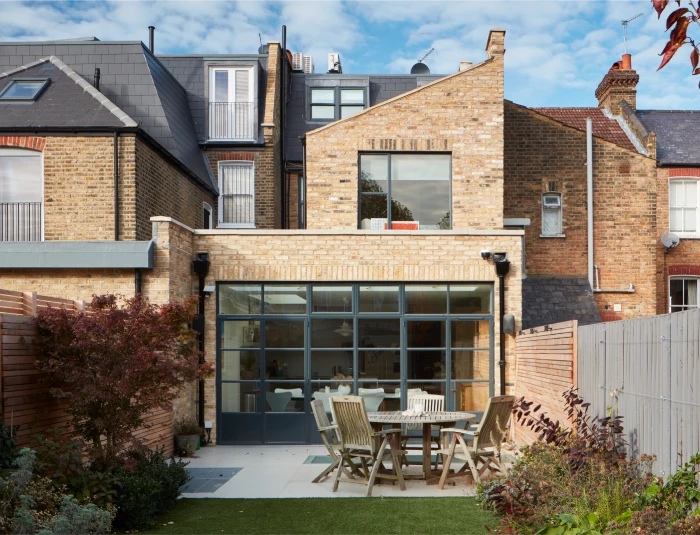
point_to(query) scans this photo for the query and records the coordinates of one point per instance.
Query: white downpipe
(589, 165)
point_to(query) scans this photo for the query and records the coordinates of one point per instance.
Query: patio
(287, 472)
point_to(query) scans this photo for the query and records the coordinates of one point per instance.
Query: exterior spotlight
(485, 254)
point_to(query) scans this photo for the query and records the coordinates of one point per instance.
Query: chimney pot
(627, 62)
(464, 65)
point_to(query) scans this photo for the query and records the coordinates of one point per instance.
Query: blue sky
(557, 50)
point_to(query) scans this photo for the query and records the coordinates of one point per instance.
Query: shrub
(8, 445)
(187, 426)
(149, 486)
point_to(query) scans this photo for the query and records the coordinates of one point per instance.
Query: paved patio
(287, 472)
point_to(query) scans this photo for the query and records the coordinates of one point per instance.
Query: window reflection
(379, 365)
(284, 397)
(239, 298)
(332, 298)
(285, 299)
(470, 299)
(424, 364)
(426, 299)
(379, 298)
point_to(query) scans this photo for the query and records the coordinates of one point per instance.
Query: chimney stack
(151, 39)
(620, 83)
(496, 44)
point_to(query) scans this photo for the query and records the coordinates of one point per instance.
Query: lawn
(328, 516)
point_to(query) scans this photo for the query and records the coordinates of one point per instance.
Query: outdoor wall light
(500, 257)
(485, 254)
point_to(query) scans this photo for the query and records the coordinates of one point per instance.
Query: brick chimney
(496, 46)
(620, 83)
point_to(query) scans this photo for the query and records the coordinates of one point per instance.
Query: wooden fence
(24, 398)
(648, 369)
(545, 368)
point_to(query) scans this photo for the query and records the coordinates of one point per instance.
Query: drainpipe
(116, 186)
(303, 165)
(502, 268)
(283, 102)
(200, 266)
(137, 281)
(589, 170)
(97, 78)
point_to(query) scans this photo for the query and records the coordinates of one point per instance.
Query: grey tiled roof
(134, 80)
(62, 104)
(382, 87)
(547, 301)
(677, 135)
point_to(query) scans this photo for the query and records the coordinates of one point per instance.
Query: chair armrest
(328, 427)
(458, 430)
(386, 431)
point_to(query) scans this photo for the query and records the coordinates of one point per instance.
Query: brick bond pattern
(625, 207)
(461, 114)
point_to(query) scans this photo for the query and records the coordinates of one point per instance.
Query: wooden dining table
(428, 419)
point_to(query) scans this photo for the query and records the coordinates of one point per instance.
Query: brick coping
(352, 232)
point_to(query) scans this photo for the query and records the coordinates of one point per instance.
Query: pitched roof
(68, 100)
(603, 127)
(677, 135)
(547, 301)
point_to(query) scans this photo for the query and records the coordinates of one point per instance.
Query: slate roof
(677, 135)
(547, 301)
(134, 80)
(63, 103)
(604, 128)
(382, 87)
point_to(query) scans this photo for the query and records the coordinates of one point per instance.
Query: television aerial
(669, 240)
(624, 28)
(420, 67)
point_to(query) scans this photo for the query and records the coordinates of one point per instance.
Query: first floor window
(328, 104)
(684, 294)
(236, 194)
(551, 214)
(206, 216)
(21, 195)
(684, 205)
(405, 191)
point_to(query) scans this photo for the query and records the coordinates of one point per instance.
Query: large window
(684, 294)
(551, 214)
(332, 103)
(236, 194)
(405, 191)
(684, 206)
(21, 195)
(231, 104)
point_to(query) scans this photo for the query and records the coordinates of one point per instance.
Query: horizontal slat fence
(545, 368)
(648, 369)
(24, 399)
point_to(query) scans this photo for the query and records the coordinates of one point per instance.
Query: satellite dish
(420, 68)
(670, 240)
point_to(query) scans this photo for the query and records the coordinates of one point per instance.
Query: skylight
(24, 89)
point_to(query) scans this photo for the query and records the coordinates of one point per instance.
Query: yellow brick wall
(461, 114)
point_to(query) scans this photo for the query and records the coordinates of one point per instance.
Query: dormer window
(232, 104)
(333, 103)
(24, 89)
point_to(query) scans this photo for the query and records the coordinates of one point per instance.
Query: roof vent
(420, 68)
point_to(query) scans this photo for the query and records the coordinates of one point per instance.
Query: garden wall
(546, 366)
(24, 399)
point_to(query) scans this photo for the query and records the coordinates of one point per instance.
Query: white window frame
(22, 152)
(221, 223)
(207, 206)
(231, 69)
(559, 196)
(687, 235)
(684, 278)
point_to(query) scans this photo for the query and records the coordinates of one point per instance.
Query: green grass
(327, 516)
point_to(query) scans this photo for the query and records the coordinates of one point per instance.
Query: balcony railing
(232, 120)
(20, 221)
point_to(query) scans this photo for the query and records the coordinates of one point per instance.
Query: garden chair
(373, 400)
(278, 401)
(490, 433)
(357, 439)
(329, 436)
(431, 403)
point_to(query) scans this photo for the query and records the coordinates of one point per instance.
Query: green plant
(187, 426)
(148, 486)
(76, 519)
(8, 445)
(678, 495)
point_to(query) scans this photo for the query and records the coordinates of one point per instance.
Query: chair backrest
(296, 392)
(373, 400)
(321, 417)
(410, 392)
(492, 428)
(278, 401)
(370, 390)
(350, 416)
(324, 397)
(430, 402)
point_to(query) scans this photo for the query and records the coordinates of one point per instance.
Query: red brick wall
(538, 151)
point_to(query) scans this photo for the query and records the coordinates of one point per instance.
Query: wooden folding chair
(358, 440)
(490, 433)
(329, 437)
(431, 403)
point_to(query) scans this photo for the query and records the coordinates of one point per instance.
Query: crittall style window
(231, 104)
(21, 195)
(236, 194)
(332, 103)
(683, 196)
(551, 214)
(402, 191)
(684, 294)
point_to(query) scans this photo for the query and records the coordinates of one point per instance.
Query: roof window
(24, 89)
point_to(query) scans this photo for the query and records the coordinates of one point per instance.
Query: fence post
(29, 303)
